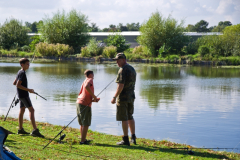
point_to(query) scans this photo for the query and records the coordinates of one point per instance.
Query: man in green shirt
(124, 97)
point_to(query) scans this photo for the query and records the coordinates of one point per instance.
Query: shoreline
(103, 145)
(5, 58)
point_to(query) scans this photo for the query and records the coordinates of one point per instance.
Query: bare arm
(87, 87)
(119, 90)
(15, 82)
(19, 85)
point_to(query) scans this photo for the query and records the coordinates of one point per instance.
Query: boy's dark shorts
(84, 119)
(25, 102)
(125, 110)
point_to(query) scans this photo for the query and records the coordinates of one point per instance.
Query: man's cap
(120, 56)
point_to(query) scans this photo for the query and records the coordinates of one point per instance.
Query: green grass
(103, 146)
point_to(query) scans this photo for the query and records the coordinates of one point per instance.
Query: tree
(13, 34)
(34, 27)
(159, 31)
(70, 28)
(190, 28)
(121, 27)
(201, 26)
(133, 26)
(221, 26)
(118, 41)
(112, 28)
(93, 28)
(105, 29)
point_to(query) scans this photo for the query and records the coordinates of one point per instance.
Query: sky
(106, 12)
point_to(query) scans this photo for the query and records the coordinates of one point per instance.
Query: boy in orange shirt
(84, 103)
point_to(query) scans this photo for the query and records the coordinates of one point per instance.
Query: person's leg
(32, 117)
(125, 128)
(131, 124)
(123, 116)
(84, 133)
(20, 118)
(81, 128)
(131, 121)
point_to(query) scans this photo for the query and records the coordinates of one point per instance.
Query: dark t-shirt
(21, 76)
(127, 76)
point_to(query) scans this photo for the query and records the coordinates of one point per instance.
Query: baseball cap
(120, 56)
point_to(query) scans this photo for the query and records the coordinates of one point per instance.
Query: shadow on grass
(166, 150)
(67, 152)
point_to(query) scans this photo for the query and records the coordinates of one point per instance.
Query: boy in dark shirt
(25, 102)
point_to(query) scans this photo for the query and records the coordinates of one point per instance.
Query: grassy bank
(103, 146)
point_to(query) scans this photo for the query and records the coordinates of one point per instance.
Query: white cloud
(105, 12)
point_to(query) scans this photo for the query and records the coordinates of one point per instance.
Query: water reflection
(157, 95)
(213, 72)
(161, 85)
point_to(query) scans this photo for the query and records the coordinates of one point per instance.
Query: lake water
(195, 105)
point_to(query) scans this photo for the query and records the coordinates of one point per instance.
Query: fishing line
(235, 146)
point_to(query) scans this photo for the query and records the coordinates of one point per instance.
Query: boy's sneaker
(22, 131)
(125, 141)
(36, 133)
(133, 139)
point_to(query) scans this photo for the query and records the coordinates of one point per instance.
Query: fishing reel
(16, 102)
(61, 138)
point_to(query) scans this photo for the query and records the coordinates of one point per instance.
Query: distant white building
(131, 36)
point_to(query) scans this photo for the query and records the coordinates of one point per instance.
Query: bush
(118, 41)
(25, 48)
(85, 52)
(13, 34)
(110, 51)
(191, 48)
(223, 45)
(70, 29)
(54, 50)
(158, 31)
(203, 50)
(173, 58)
(236, 48)
(94, 48)
(141, 52)
(35, 40)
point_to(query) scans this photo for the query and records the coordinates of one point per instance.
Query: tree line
(161, 37)
(201, 26)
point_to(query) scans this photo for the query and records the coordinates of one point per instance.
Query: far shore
(5, 58)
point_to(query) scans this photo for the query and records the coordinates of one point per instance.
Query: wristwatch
(114, 97)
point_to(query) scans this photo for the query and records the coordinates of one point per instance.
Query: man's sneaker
(22, 131)
(85, 142)
(36, 133)
(88, 141)
(133, 139)
(125, 141)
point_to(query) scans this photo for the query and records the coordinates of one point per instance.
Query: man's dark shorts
(125, 110)
(25, 102)
(84, 119)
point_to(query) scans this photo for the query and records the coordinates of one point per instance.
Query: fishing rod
(61, 137)
(16, 100)
(40, 96)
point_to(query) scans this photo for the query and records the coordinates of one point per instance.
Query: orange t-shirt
(84, 96)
